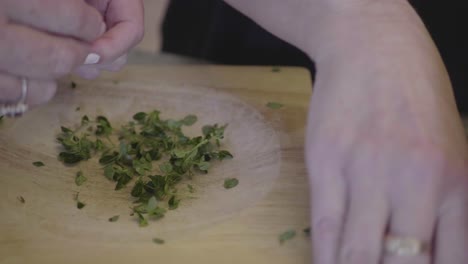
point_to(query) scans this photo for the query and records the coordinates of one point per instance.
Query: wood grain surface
(240, 225)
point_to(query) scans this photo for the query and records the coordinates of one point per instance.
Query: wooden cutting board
(215, 225)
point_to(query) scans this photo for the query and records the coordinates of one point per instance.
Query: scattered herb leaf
(115, 218)
(80, 178)
(84, 120)
(189, 120)
(140, 116)
(21, 199)
(274, 105)
(80, 205)
(275, 69)
(287, 235)
(73, 85)
(230, 183)
(158, 241)
(173, 203)
(38, 164)
(190, 188)
(306, 231)
(142, 220)
(224, 154)
(77, 108)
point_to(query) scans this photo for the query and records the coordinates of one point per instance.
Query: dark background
(212, 30)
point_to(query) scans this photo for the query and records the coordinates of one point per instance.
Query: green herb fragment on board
(158, 241)
(79, 204)
(230, 183)
(115, 218)
(287, 235)
(274, 105)
(80, 178)
(21, 199)
(38, 164)
(173, 203)
(190, 188)
(73, 85)
(275, 69)
(306, 231)
(189, 120)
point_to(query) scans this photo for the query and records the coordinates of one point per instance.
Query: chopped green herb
(80, 205)
(21, 199)
(73, 85)
(142, 221)
(274, 105)
(224, 154)
(80, 178)
(166, 168)
(77, 108)
(287, 235)
(190, 188)
(38, 164)
(189, 120)
(104, 127)
(84, 120)
(230, 183)
(145, 143)
(275, 69)
(306, 231)
(115, 82)
(158, 241)
(1, 119)
(115, 218)
(204, 166)
(140, 116)
(173, 203)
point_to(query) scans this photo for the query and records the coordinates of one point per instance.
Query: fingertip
(103, 28)
(40, 92)
(87, 72)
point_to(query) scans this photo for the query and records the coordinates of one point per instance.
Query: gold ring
(405, 246)
(19, 107)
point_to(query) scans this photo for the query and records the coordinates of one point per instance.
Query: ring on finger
(405, 246)
(19, 107)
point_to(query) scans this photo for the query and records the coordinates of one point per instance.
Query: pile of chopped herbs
(151, 153)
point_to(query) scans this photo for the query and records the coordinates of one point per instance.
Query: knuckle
(357, 255)
(139, 34)
(62, 61)
(431, 160)
(49, 91)
(86, 22)
(327, 227)
(81, 21)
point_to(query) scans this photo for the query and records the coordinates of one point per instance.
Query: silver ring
(19, 107)
(405, 246)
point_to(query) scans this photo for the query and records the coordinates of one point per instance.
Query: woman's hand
(380, 165)
(125, 28)
(386, 151)
(43, 40)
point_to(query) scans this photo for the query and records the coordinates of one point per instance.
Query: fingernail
(103, 28)
(92, 58)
